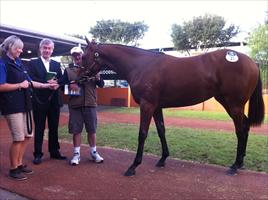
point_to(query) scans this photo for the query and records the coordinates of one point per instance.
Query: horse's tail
(256, 106)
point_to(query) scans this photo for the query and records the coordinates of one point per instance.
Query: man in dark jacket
(46, 104)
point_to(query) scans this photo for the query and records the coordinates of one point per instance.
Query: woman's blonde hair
(10, 42)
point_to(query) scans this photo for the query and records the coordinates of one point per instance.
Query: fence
(123, 97)
(264, 75)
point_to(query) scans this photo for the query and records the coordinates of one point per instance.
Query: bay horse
(160, 81)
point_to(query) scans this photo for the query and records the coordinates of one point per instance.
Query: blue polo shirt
(3, 72)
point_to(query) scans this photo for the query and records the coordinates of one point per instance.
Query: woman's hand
(24, 84)
(53, 86)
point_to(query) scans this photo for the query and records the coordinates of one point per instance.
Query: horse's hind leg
(242, 139)
(159, 122)
(146, 113)
(241, 129)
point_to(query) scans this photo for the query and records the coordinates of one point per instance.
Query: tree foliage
(202, 32)
(258, 43)
(117, 31)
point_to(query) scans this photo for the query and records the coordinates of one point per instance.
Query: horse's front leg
(146, 113)
(160, 126)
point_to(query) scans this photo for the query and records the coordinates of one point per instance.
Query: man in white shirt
(45, 107)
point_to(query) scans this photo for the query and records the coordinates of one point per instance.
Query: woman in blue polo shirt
(15, 102)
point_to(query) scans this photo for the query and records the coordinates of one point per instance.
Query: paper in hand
(51, 75)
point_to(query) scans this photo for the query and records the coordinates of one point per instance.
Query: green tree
(180, 38)
(202, 32)
(117, 31)
(258, 43)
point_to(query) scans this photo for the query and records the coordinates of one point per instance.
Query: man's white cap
(76, 50)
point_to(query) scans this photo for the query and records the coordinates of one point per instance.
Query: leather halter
(88, 71)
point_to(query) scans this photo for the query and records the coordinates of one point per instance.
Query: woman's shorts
(18, 126)
(80, 116)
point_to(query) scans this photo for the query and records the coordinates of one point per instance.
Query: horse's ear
(93, 41)
(88, 42)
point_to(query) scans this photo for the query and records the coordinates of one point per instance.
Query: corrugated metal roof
(31, 40)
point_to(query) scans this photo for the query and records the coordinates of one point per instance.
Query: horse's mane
(135, 50)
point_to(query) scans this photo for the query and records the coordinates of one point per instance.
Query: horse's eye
(96, 54)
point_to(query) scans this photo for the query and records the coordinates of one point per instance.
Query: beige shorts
(18, 127)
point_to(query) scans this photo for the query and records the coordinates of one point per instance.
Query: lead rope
(27, 97)
(29, 122)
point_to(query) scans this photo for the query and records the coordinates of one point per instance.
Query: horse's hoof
(130, 173)
(241, 166)
(231, 171)
(160, 164)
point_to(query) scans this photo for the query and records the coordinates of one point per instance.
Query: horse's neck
(120, 61)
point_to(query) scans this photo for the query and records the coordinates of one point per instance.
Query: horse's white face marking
(96, 54)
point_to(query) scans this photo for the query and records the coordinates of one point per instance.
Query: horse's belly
(183, 101)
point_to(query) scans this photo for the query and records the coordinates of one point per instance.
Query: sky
(76, 17)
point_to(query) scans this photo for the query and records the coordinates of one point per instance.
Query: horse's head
(90, 59)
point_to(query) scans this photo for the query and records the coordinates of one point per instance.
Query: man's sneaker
(96, 157)
(16, 174)
(76, 159)
(24, 169)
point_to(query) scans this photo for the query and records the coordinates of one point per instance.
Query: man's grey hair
(46, 41)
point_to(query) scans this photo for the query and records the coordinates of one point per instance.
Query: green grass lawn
(193, 114)
(184, 143)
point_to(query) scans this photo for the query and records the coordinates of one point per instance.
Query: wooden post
(128, 97)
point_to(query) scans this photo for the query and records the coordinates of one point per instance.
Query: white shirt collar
(46, 63)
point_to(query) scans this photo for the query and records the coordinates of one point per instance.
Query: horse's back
(192, 80)
(169, 81)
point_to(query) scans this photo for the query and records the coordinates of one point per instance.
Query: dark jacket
(37, 72)
(19, 100)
